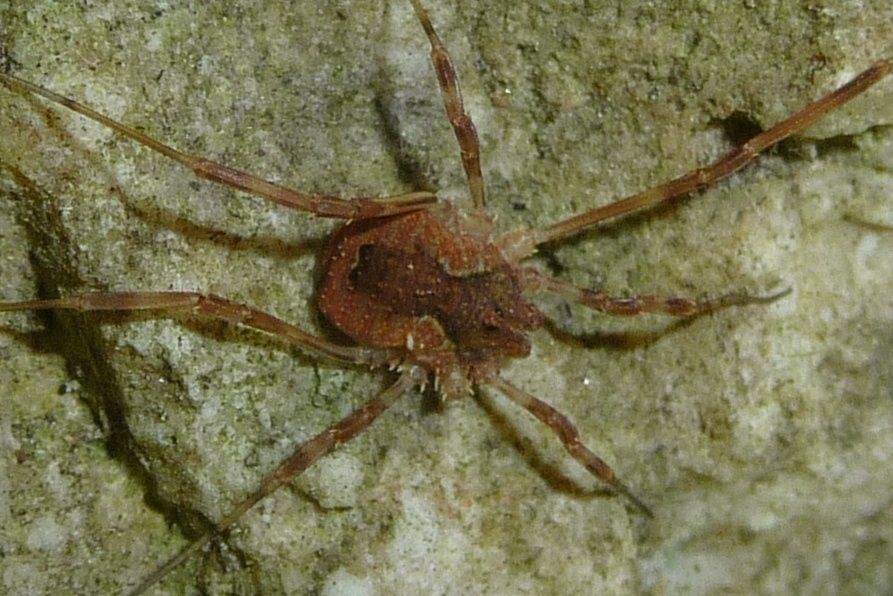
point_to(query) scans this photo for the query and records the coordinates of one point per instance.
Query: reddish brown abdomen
(416, 281)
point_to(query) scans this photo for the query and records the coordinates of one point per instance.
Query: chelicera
(425, 287)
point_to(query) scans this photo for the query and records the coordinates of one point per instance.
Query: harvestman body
(424, 287)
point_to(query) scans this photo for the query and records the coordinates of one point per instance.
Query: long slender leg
(208, 306)
(463, 126)
(520, 244)
(307, 453)
(570, 437)
(635, 305)
(320, 204)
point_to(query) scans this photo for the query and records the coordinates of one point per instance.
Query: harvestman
(424, 288)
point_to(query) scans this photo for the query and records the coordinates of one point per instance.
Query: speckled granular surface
(761, 436)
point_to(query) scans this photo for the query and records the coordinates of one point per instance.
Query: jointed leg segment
(171, 303)
(570, 437)
(463, 126)
(305, 455)
(526, 242)
(635, 305)
(215, 307)
(321, 205)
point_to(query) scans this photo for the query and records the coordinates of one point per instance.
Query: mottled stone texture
(762, 436)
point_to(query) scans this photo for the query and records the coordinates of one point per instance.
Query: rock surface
(762, 436)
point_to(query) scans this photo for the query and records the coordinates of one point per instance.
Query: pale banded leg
(170, 303)
(570, 438)
(318, 204)
(463, 126)
(520, 244)
(303, 457)
(635, 305)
